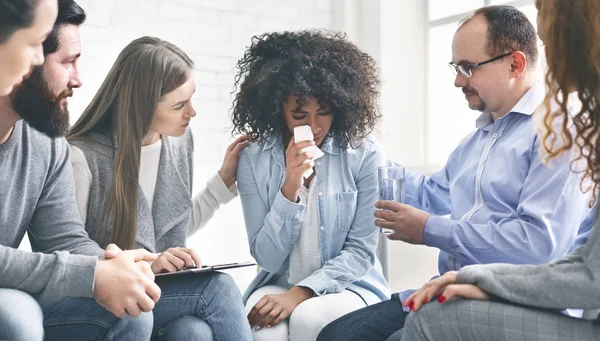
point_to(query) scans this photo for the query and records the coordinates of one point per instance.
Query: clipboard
(208, 268)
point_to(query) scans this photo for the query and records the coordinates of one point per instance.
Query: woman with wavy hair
(522, 302)
(132, 153)
(309, 221)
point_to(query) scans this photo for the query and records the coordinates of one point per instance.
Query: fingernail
(257, 328)
(411, 305)
(426, 300)
(441, 299)
(269, 326)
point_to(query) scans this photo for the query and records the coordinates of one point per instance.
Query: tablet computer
(208, 268)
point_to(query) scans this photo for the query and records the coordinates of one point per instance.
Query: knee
(307, 317)
(341, 329)
(21, 317)
(225, 285)
(397, 336)
(412, 323)
(139, 328)
(186, 328)
(223, 280)
(278, 332)
(417, 322)
(331, 331)
(221, 296)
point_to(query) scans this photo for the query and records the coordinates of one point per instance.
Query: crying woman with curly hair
(308, 181)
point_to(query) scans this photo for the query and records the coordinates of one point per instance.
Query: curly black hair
(317, 64)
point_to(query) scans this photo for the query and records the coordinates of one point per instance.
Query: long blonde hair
(571, 32)
(124, 107)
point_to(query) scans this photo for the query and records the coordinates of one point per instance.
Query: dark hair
(316, 64)
(509, 30)
(15, 15)
(69, 13)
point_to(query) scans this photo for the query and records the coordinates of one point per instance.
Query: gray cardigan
(570, 282)
(166, 224)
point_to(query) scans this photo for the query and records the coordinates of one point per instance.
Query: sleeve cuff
(217, 187)
(468, 274)
(403, 296)
(79, 276)
(316, 283)
(286, 208)
(438, 232)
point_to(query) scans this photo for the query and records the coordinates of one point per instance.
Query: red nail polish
(411, 305)
(442, 298)
(426, 300)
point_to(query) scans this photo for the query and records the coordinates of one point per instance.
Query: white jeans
(308, 318)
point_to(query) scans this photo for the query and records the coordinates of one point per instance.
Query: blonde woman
(132, 155)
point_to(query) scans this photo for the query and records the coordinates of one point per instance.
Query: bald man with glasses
(504, 204)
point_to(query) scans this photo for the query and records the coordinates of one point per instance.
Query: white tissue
(304, 133)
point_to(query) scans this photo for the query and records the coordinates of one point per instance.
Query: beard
(39, 107)
(479, 107)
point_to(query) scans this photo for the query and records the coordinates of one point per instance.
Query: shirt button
(318, 163)
(495, 135)
(322, 228)
(320, 194)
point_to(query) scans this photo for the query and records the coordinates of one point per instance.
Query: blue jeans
(77, 318)
(378, 322)
(205, 306)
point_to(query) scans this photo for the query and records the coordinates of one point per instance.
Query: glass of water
(391, 186)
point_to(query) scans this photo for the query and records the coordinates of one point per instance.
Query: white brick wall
(214, 33)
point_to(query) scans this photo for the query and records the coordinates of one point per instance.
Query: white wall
(403, 129)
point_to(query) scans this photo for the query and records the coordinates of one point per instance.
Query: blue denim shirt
(505, 205)
(347, 192)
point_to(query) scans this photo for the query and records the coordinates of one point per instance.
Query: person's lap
(79, 318)
(468, 320)
(309, 318)
(376, 322)
(185, 328)
(209, 304)
(189, 304)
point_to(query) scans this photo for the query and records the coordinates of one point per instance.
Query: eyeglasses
(467, 69)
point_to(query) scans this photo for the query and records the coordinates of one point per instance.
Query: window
(448, 118)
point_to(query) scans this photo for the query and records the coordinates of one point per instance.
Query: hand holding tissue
(304, 133)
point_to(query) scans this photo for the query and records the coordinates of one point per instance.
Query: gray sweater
(570, 282)
(37, 196)
(166, 223)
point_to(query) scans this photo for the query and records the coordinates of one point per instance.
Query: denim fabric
(347, 192)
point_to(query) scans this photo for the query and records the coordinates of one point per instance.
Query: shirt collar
(525, 106)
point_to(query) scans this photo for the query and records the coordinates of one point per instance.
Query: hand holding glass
(391, 186)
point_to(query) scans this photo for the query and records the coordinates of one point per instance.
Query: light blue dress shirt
(505, 204)
(346, 195)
